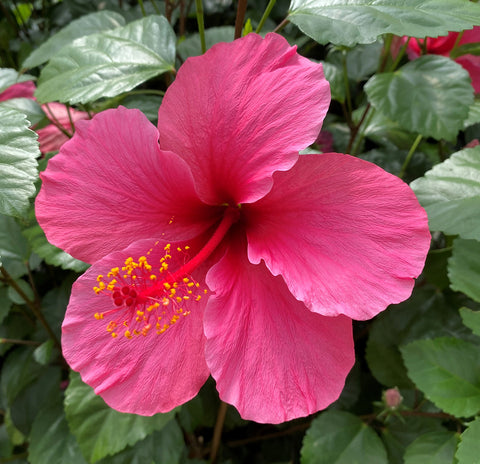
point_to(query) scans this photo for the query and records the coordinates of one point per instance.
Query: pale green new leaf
(430, 96)
(447, 370)
(86, 25)
(100, 430)
(464, 268)
(18, 165)
(348, 22)
(468, 451)
(450, 193)
(337, 437)
(109, 63)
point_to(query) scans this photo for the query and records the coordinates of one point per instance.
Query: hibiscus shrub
(240, 232)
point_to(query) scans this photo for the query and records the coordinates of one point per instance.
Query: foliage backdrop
(414, 393)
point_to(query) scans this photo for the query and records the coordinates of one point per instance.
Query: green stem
(241, 10)
(201, 25)
(34, 307)
(56, 122)
(144, 13)
(266, 14)
(348, 96)
(410, 155)
(155, 7)
(399, 57)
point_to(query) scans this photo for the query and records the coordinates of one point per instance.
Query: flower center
(145, 299)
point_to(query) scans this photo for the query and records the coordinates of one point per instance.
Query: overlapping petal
(141, 375)
(271, 358)
(111, 185)
(347, 237)
(240, 112)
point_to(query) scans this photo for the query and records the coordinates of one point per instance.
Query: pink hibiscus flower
(444, 46)
(217, 249)
(50, 137)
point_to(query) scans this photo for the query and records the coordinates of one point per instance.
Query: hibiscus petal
(145, 374)
(347, 237)
(111, 185)
(240, 112)
(271, 358)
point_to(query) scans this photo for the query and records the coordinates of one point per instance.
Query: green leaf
(334, 76)
(28, 107)
(43, 353)
(109, 63)
(18, 371)
(430, 96)
(86, 25)
(432, 448)
(5, 303)
(192, 46)
(50, 253)
(25, 288)
(13, 247)
(165, 446)
(348, 22)
(471, 319)
(473, 114)
(427, 314)
(450, 193)
(466, 49)
(447, 370)
(464, 267)
(467, 452)
(51, 441)
(100, 430)
(9, 77)
(337, 437)
(18, 150)
(400, 432)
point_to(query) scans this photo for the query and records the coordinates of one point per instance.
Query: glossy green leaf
(337, 437)
(473, 114)
(399, 432)
(50, 253)
(18, 165)
(9, 77)
(18, 371)
(464, 267)
(427, 314)
(471, 319)
(467, 452)
(447, 370)
(334, 76)
(348, 22)
(51, 441)
(432, 448)
(86, 25)
(450, 193)
(14, 249)
(5, 303)
(430, 96)
(165, 446)
(25, 288)
(30, 108)
(109, 63)
(101, 431)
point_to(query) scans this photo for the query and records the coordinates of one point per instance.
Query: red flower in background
(445, 45)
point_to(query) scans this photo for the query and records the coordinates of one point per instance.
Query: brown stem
(51, 117)
(217, 432)
(241, 10)
(356, 128)
(282, 25)
(34, 306)
(16, 341)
